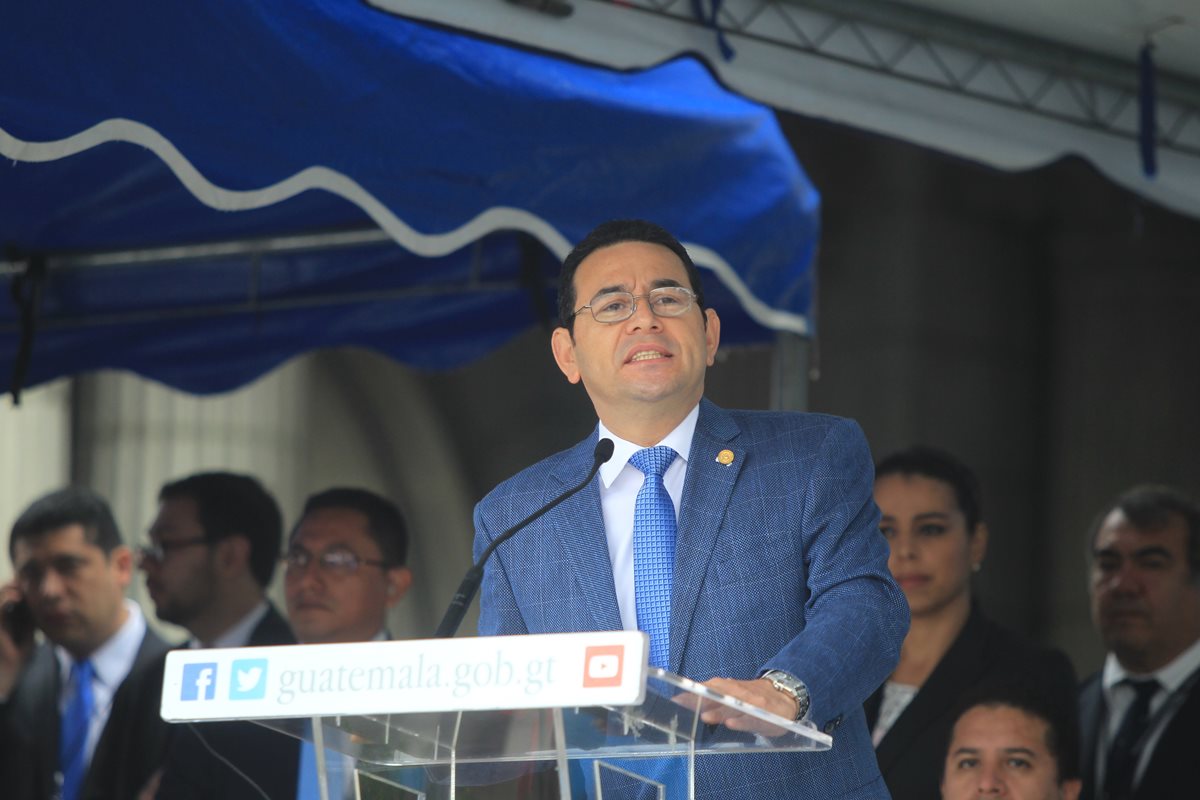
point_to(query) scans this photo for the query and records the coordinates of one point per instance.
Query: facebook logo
(199, 682)
(249, 679)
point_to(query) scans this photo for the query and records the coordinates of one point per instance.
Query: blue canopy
(170, 169)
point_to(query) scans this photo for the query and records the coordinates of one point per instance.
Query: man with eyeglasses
(214, 546)
(344, 569)
(745, 543)
(213, 549)
(70, 723)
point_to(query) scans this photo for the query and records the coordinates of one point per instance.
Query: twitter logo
(249, 679)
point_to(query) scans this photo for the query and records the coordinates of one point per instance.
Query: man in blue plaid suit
(780, 592)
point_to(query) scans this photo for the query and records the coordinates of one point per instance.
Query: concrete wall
(35, 453)
(1041, 325)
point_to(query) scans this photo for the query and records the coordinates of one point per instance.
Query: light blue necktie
(654, 551)
(308, 782)
(73, 731)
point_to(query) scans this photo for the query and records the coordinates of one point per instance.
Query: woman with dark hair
(932, 520)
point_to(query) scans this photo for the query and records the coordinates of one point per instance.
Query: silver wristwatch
(793, 686)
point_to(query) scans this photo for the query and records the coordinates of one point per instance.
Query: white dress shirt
(238, 634)
(619, 485)
(1118, 697)
(111, 662)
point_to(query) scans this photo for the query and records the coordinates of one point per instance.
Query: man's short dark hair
(1150, 507)
(74, 505)
(929, 462)
(228, 505)
(607, 234)
(1060, 715)
(385, 523)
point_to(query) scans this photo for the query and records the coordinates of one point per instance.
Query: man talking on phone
(70, 726)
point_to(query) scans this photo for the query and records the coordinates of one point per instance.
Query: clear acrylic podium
(539, 717)
(529, 752)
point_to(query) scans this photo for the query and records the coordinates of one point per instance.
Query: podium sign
(440, 719)
(414, 676)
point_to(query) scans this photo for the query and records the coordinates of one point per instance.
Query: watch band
(792, 686)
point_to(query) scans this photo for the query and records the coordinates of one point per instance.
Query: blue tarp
(129, 125)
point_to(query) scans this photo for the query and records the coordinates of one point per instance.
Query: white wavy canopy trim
(329, 180)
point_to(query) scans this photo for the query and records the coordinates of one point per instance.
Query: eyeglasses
(338, 561)
(665, 301)
(158, 552)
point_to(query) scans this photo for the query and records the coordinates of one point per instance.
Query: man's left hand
(759, 692)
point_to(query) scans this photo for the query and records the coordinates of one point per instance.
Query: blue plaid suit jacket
(779, 565)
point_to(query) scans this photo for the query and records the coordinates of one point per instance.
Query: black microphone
(474, 577)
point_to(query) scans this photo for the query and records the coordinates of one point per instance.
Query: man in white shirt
(70, 725)
(1140, 716)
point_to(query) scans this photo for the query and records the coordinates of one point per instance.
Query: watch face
(796, 688)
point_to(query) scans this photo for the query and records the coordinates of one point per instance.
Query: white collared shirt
(619, 485)
(238, 634)
(1118, 697)
(111, 662)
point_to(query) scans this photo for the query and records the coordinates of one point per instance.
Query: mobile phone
(18, 621)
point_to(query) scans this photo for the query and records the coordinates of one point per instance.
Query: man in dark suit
(773, 579)
(214, 545)
(71, 574)
(345, 568)
(213, 549)
(1140, 716)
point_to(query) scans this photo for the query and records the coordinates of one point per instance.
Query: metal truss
(960, 58)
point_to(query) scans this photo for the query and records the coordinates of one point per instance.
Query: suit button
(832, 725)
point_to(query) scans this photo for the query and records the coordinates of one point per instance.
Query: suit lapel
(958, 670)
(133, 741)
(1091, 717)
(1169, 767)
(271, 629)
(151, 649)
(578, 524)
(42, 709)
(706, 493)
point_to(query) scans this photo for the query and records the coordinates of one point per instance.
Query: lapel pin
(725, 457)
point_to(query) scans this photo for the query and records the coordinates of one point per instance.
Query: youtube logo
(603, 665)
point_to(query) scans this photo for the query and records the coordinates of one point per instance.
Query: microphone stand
(474, 577)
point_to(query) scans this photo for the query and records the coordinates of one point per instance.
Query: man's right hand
(16, 637)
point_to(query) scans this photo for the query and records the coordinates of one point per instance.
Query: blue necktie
(308, 782)
(654, 551)
(73, 731)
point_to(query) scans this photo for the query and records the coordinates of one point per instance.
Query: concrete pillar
(35, 453)
(344, 418)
